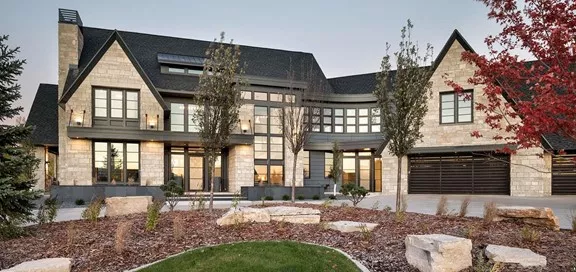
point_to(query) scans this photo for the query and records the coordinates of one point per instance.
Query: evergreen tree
(17, 161)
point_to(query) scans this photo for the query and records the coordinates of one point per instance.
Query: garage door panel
(459, 174)
(564, 175)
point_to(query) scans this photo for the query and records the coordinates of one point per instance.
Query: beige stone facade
(240, 167)
(530, 174)
(40, 172)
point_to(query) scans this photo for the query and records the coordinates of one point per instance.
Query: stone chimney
(70, 43)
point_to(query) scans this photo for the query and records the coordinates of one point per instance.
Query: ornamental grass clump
(442, 206)
(92, 212)
(153, 215)
(464, 206)
(122, 235)
(489, 212)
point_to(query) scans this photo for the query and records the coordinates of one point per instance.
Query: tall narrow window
(327, 120)
(132, 162)
(116, 104)
(275, 121)
(177, 117)
(375, 119)
(363, 120)
(276, 152)
(101, 161)
(350, 120)
(339, 120)
(192, 123)
(306, 168)
(100, 103)
(131, 105)
(276, 174)
(260, 147)
(316, 119)
(328, 163)
(260, 174)
(260, 119)
(348, 170)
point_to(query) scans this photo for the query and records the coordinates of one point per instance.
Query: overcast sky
(346, 37)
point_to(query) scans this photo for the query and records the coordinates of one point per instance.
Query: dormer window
(181, 64)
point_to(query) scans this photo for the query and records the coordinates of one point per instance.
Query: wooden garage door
(459, 174)
(564, 175)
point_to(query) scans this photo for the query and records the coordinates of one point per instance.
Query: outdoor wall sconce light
(78, 119)
(244, 126)
(152, 124)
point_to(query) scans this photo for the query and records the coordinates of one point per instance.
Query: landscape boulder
(351, 226)
(529, 215)
(294, 215)
(438, 252)
(522, 256)
(127, 205)
(43, 265)
(243, 215)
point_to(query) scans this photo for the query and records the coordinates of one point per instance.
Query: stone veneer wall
(288, 161)
(40, 172)
(114, 70)
(240, 167)
(151, 163)
(524, 180)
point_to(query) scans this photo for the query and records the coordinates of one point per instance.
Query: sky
(346, 37)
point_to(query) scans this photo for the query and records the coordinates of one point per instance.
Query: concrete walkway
(563, 206)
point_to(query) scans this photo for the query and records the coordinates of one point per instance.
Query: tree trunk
(399, 184)
(294, 177)
(211, 171)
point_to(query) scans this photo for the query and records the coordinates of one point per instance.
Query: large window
(114, 107)
(260, 147)
(182, 117)
(276, 152)
(260, 119)
(275, 121)
(306, 158)
(117, 162)
(328, 163)
(375, 120)
(456, 108)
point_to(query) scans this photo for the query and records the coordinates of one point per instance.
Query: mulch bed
(91, 246)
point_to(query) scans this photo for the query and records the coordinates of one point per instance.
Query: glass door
(196, 173)
(349, 170)
(365, 173)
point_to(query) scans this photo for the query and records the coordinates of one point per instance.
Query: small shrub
(47, 211)
(483, 265)
(376, 205)
(529, 235)
(366, 233)
(464, 207)
(489, 212)
(235, 200)
(442, 206)
(11, 229)
(327, 203)
(285, 197)
(354, 193)
(201, 202)
(178, 227)
(122, 235)
(79, 202)
(343, 205)
(268, 198)
(469, 232)
(172, 191)
(92, 212)
(333, 197)
(153, 215)
(316, 197)
(300, 197)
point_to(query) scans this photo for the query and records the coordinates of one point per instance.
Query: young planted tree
(402, 98)
(542, 92)
(17, 162)
(296, 129)
(219, 101)
(336, 168)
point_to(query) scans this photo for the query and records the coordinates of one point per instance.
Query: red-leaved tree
(540, 92)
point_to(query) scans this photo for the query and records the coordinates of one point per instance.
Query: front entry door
(364, 174)
(196, 180)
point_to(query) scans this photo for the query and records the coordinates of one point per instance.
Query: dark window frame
(98, 121)
(456, 108)
(306, 161)
(109, 163)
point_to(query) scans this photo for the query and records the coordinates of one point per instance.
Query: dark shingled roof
(356, 84)
(558, 142)
(262, 62)
(43, 115)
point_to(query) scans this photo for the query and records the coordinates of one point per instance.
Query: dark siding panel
(317, 170)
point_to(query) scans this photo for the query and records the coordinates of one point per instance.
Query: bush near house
(354, 193)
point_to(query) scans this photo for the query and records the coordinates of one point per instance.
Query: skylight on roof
(181, 59)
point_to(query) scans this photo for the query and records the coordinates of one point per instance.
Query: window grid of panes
(456, 108)
(340, 120)
(110, 103)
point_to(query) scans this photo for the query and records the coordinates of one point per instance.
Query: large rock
(530, 215)
(351, 226)
(438, 252)
(524, 257)
(294, 215)
(243, 215)
(127, 205)
(43, 265)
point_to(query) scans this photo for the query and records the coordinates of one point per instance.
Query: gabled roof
(145, 48)
(355, 84)
(455, 36)
(43, 115)
(85, 67)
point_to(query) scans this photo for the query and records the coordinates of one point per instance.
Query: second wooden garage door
(462, 173)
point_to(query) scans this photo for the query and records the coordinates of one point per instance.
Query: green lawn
(258, 256)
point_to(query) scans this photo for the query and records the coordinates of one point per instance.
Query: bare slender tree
(295, 117)
(403, 98)
(219, 101)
